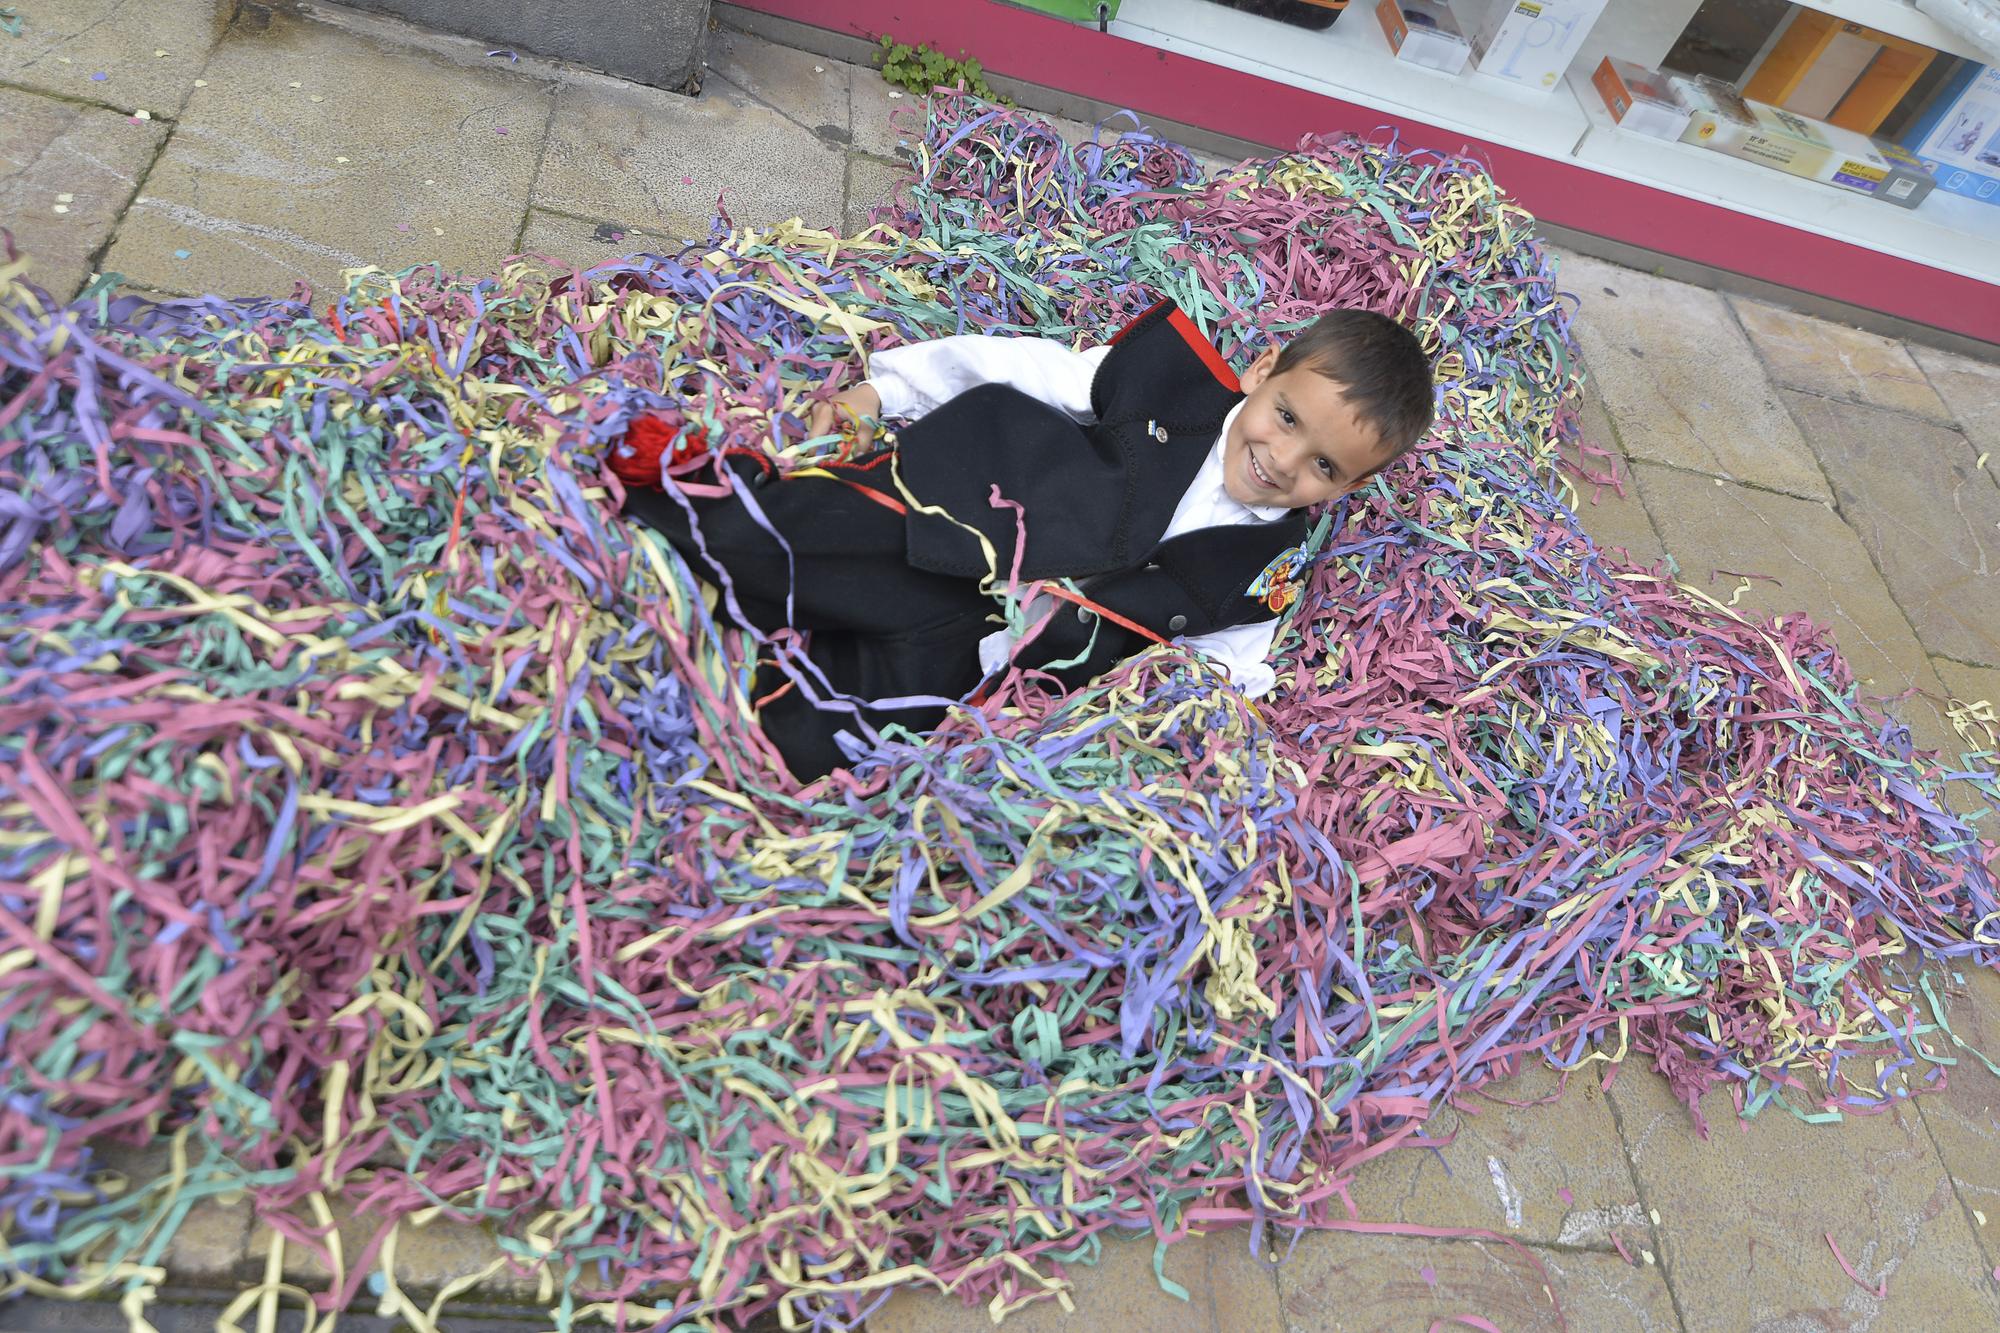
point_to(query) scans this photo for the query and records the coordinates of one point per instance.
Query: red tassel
(647, 441)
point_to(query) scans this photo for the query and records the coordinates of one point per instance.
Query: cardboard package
(1826, 153)
(1836, 71)
(1424, 33)
(1715, 109)
(1640, 99)
(1531, 42)
(1958, 134)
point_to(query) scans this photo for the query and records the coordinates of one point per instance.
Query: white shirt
(918, 377)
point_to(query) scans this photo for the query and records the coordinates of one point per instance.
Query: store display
(1641, 100)
(1959, 135)
(1813, 150)
(1703, 49)
(1531, 42)
(1781, 139)
(1424, 33)
(1839, 72)
(1714, 108)
(1909, 180)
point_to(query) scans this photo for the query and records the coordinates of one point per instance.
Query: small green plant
(920, 69)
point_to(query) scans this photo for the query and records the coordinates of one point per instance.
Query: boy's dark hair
(1380, 364)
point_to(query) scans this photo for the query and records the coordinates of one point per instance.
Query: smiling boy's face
(1297, 441)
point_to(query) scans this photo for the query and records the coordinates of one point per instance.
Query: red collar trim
(1205, 350)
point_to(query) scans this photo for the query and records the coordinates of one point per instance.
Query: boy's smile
(1297, 441)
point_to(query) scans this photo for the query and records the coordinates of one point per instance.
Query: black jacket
(1097, 497)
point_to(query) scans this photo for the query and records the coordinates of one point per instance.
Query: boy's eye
(1325, 468)
(1286, 417)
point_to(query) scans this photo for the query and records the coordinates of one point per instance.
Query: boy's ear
(1259, 370)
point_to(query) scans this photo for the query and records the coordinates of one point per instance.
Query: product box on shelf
(1814, 150)
(1837, 71)
(1531, 42)
(1423, 32)
(1640, 99)
(1959, 135)
(1906, 181)
(1715, 109)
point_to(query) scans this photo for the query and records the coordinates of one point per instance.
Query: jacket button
(1177, 624)
(1083, 613)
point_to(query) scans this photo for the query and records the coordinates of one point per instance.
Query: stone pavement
(280, 144)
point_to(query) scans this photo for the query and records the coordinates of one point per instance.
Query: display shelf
(1947, 232)
(1352, 61)
(1218, 71)
(1899, 18)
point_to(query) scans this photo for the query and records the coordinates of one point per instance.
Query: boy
(1173, 495)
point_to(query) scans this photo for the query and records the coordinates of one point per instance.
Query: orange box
(1640, 99)
(1868, 99)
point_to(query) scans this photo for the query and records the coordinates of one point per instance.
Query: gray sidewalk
(282, 144)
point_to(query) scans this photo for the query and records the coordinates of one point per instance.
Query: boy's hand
(855, 411)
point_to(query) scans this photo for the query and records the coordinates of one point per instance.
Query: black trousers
(877, 628)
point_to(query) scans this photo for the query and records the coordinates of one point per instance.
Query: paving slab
(1699, 403)
(1231, 1292)
(1914, 493)
(208, 1245)
(884, 119)
(581, 242)
(65, 44)
(66, 172)
(427, 1257)
(1822, 357)
(871, 182)
(1964, 1116)
(1969, 683)
(1821, 568)
(1971, 391)
(254, 189)
(660, 161)
(1550, 1170)
(1335, 1282)
(888, 120)
(1745, 1216)
(1614, 521)
(811, 91)
(1212, 165)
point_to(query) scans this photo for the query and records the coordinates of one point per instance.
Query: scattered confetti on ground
(385, 823)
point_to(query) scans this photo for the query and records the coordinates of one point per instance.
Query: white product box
(1800, 146)
(1716, 110)
(1531, 42)
(1640, 99)
(1423, 32)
